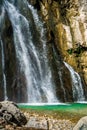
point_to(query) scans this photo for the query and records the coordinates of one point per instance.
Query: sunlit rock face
(64, 24)
(67, 20)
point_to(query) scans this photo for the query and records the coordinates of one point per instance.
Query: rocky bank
(11, 118)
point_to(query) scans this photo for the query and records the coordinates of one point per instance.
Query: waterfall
(62, 85)
(3, 69)
(32, 60)
(77, 88)
(40, 75)
(3, 57)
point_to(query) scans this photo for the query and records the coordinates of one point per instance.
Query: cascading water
(3, 69)
(77, 88)
(62, 85)
(3, 57)
(40, 72)
(33, 61)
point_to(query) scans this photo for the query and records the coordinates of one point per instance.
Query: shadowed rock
(10, 114)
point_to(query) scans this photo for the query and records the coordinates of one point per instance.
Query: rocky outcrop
(10, 114)
(67, 21)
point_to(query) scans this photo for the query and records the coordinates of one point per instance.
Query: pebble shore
(49, 123)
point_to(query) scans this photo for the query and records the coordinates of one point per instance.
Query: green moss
(70, 51)
(78, 50)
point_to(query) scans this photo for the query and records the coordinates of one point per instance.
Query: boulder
(82, 124)
(37, 123)
(10, 114)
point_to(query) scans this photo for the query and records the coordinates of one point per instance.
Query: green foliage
(70, 51)
(78, 50)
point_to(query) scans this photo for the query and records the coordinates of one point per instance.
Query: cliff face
(66, 20)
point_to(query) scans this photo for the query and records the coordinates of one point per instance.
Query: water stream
(77, 88)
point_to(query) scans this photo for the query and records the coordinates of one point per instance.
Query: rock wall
(67, 21)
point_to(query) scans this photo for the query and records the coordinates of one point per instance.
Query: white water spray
(3, 57)
(77, 88)
(38, 89)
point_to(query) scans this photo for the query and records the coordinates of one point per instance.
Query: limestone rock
(67, 19)
(37, 123)
(10, 114)
(82, 124)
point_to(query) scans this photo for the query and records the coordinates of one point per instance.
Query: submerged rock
(48, 122)
(37, 123)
